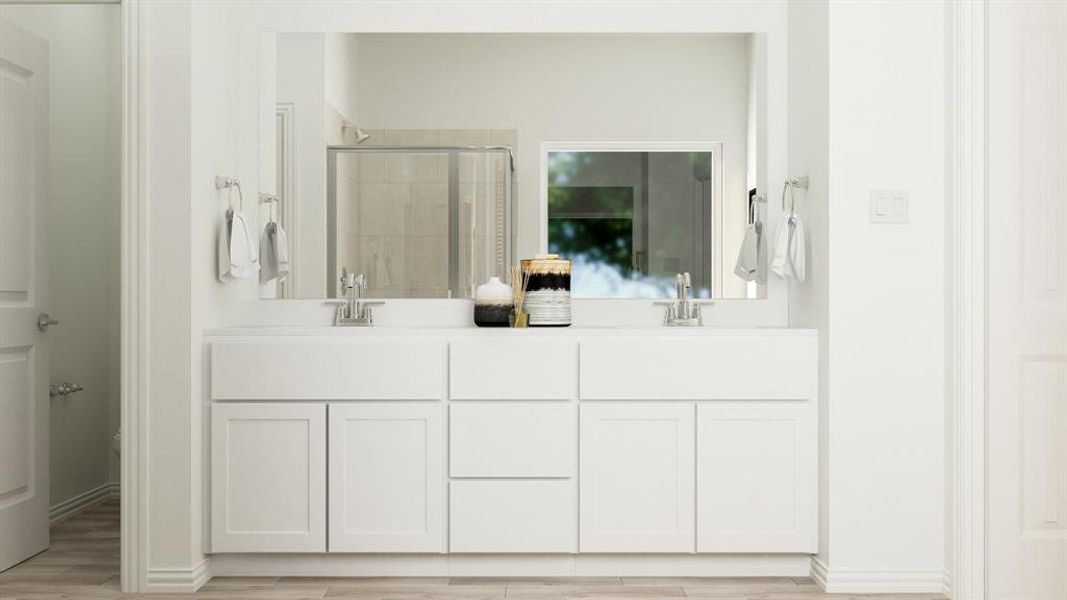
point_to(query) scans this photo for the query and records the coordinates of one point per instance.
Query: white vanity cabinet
(352, 428)
(386, 477)
(637, 477)
(545, 446)
(699, 449)
(268, 477)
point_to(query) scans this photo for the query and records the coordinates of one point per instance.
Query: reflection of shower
(442, 212)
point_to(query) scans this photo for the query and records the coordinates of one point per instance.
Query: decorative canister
(492, 303)
(548, 294)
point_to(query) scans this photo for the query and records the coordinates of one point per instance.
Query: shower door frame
(452, 153)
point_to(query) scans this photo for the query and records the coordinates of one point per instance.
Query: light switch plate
(889, 206)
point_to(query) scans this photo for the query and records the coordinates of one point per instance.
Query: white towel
(274, 254)
(237, 251)
(789, 249)
(748, 259)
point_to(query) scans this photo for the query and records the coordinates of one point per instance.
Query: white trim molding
(875, 581)
(134, 306)
(967, 226)
(818, 572)
(178, 581)
(62, 511)
(509, 565)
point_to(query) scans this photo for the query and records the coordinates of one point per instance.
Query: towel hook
(792, 185)
(272, 200)
(753, 208)
(223, 182)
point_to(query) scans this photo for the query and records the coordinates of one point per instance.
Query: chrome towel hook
(792, 185)
(273, 201)
(229, 183)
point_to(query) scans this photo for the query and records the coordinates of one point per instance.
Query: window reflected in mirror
(630, 221)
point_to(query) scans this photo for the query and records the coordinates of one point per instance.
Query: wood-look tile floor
(83, 562)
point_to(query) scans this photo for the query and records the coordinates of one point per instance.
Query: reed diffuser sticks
(519, 281)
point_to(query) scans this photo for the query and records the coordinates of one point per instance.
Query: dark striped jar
(548, 293)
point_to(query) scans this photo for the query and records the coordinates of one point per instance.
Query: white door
(387, 478)
(757, 477)
(23, 354)
(1027, 327)
(268, 477)
(636, 478)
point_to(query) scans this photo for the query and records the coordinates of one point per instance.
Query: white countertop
(660, 331)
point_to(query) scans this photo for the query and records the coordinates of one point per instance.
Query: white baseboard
(860, 581)
(68, 508)
(818, 572)
(509, 565)
(946, 584)
(179, 581)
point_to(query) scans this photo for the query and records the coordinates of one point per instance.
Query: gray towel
(274, 253)
(748, 258)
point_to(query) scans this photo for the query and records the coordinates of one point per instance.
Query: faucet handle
(346, 281)
(671, 312)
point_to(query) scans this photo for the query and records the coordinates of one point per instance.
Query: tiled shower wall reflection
(392, 213)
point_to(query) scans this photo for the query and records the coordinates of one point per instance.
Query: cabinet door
(268, 477)
(757, 477)
(387, 465)
(636, 479)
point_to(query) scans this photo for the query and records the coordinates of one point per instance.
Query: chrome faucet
(683, 312)
(354, 311)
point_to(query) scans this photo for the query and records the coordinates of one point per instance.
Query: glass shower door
(483, 181)
(418, 222)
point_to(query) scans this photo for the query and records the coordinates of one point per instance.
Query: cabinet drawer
(365, 369)
(512, 440)
(716, 368)
(513, 369)
(513, 516)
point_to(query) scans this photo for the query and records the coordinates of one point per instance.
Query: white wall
(200, 125)
(201, 121)
(169, 288)
(341, 72)
(301, 78)
(567, 88)
(887, 291)
(809, 155)
(883, 310)
(221, 107)
(83, 242)
(877, 292)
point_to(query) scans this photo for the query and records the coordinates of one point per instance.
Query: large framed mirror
(430, 162)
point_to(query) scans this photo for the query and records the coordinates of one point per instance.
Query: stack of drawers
(513, 448)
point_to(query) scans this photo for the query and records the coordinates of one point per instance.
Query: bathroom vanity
(510, 451)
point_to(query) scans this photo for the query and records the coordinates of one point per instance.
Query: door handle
(44, 320)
